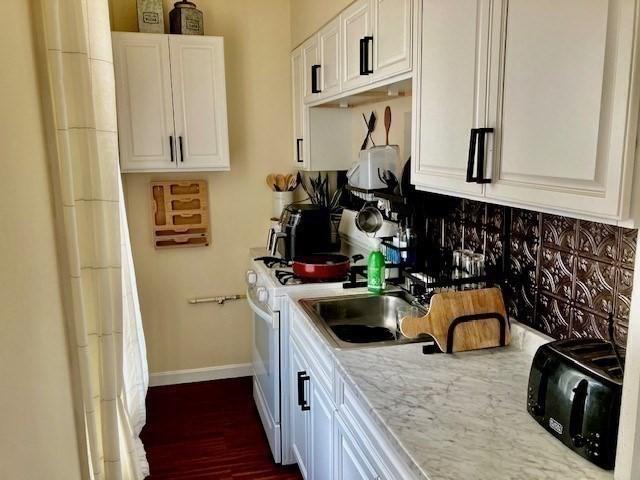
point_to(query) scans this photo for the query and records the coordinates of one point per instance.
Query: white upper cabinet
(367, 46)
(357, 43)
(391, 37)
(297, 75)
(551, 89)
(199, 101)
(145, 110)
(562, 120)
(171, 99)
(329, 44)
(311, 61)
(450, 81)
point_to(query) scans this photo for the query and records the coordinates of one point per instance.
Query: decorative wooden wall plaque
(180, 213)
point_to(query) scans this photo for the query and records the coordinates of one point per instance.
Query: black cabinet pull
(477, 140)
(363, 49)
(314, 79)
(298, 144)
(302, 402)
(171, 146)
(181, 150)
(366, 41)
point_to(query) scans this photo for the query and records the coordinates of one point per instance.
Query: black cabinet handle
(171, 146)
(298, 144)
(477, 140)
(363, 49)
(302, 402)
(366, 42)
(314, 79)
(181, 150)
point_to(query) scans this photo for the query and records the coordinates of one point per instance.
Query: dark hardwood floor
(208, 430)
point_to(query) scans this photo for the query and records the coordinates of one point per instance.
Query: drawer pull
(302, 402)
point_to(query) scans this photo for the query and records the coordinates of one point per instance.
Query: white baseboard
(200, 374)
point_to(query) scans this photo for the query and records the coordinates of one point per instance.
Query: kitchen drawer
(315, 351)
(369, 436)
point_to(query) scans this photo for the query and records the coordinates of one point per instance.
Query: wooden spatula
(387, 121)
(446, 307)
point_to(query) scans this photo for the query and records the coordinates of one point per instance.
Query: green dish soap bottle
(375, 270)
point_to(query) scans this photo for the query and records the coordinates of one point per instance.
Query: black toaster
(575, 389)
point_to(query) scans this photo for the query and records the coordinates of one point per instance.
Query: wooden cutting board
(446, 307)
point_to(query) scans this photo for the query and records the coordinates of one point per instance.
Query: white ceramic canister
(281, 200)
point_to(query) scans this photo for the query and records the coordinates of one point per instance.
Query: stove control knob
(252, 277)
(263, 294)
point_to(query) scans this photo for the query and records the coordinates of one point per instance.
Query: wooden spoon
(387, 121)
(281, 183)
(271, 181)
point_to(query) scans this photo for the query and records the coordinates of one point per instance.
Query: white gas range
(268, 284)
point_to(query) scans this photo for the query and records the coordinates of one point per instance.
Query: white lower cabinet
(322, 413)
(311, 417)
(332, 435)
(350, 462)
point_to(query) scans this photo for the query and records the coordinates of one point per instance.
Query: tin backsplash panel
(564, 275)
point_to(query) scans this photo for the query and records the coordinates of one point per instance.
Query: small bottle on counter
(375, 270)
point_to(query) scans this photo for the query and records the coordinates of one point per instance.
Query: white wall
(182, 336)
(307, 16)
(37, 429)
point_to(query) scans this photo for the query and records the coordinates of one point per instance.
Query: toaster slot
(589, 349)
(605, 361)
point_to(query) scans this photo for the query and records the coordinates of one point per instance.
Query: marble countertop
(460, 416)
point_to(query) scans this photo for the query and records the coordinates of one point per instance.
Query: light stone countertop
(461, 416)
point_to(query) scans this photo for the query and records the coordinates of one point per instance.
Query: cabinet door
(297, 74)
(143, 94)
(322, 411)
(349, 462)
(329, 43)
(200, 102)
(299, 418)
(356, 25)
(449, 92)
(392, 38)
(563, 94)
(311, 60)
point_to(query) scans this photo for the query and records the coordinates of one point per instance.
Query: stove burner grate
(286, 277)
(272, 262)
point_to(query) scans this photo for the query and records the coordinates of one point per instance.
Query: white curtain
(108, 343)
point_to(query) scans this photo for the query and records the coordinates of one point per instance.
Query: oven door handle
(256, 307)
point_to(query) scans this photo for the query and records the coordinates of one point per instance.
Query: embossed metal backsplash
(565, 275)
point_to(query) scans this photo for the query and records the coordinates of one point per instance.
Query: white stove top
(276, 277)
(353, 242)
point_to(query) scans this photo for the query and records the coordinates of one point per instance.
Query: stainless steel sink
(359, 320)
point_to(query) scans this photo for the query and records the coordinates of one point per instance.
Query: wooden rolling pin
(448, 306)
